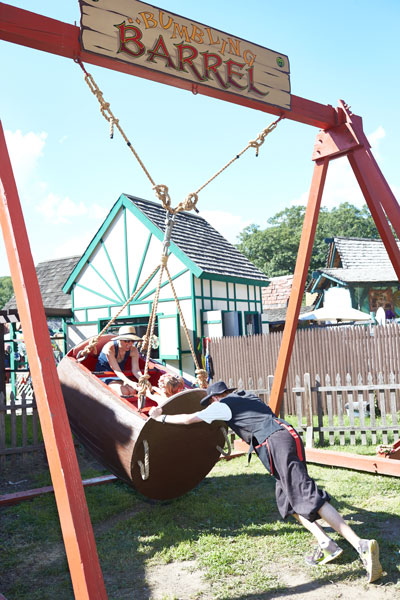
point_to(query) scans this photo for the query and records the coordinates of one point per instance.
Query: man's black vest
(252, 420)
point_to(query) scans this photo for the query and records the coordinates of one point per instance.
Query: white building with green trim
(218, 289)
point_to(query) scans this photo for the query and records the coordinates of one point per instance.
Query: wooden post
(309, 411)
(80, 545)
(299, 280)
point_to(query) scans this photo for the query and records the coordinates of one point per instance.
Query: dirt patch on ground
(183, 581)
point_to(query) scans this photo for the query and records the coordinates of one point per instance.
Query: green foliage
(274, 249)
(6, 290)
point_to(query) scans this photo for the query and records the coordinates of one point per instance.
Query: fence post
(309, 411)
(372, 409)
(319, 411)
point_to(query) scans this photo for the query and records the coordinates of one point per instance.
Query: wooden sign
(380, 297)
(153, 38)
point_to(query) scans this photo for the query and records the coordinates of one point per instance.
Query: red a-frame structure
(341, 134)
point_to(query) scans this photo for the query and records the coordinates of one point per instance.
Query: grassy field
(222, 541)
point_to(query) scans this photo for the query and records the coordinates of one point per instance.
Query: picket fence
(364, 412)
(352, 409)
(329, 350)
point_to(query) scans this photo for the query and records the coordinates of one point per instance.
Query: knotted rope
(162, 193)
(161, 190)
(145, 466)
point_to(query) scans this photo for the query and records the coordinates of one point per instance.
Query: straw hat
(128, 333)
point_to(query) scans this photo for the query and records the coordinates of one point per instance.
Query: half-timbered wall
(122, 256)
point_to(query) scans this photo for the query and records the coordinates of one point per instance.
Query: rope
(227, 441)
(144, 379)
(145, 468)
(188, 204)
(201, 373)
(161, 190)
(92, 344)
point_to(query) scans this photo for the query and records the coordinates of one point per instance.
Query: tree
(274, 249)
(6, 290)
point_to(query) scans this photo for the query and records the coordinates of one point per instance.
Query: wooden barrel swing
(160, 460)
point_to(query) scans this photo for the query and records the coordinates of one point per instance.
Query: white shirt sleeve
(217, 411)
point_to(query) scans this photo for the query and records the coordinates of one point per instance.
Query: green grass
(229, 526)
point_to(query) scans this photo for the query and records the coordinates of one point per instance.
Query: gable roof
(194, 241)
(52, 275)
(355, 260)
(362, 253)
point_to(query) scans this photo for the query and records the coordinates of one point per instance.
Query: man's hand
(155, 412)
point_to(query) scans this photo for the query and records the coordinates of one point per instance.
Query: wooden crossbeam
(43, 33)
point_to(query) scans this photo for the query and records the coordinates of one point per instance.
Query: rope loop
(145, 467)
(260, 139)
(162, 194)
(82, 354)
(227, 442)
(189, 203)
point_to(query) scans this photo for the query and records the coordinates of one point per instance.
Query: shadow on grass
(212, 524)
(223, 510)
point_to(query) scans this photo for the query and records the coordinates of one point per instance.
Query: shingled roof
(52, 275)
(362, 253)
(356, 260)
(202, 244)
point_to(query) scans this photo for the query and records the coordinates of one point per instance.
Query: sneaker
(322, 555)
(369, 554)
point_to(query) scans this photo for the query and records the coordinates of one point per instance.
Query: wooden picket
(21, 414)
(359, 400)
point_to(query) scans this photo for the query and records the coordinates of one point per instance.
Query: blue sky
(69, 173)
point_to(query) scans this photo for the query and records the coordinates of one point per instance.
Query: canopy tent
(339, 313)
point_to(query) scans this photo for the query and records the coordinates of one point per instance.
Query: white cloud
(227, 224)
(58, 210)
(341, 184)
(25, 151)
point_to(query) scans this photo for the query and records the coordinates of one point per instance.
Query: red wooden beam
(346, 139)
(359, 462)
(299, 281)
(43, 33)
(80, 545)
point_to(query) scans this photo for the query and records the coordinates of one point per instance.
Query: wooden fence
(19, 426)
(344, 351)
(362, 412)
(351, 409)
(344, 411)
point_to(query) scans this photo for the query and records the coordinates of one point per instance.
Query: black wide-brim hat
(214, 389)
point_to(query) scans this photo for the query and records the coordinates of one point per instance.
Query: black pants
(296, 492)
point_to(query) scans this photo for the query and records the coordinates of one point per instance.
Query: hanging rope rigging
(161, 190)
(188, 204)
